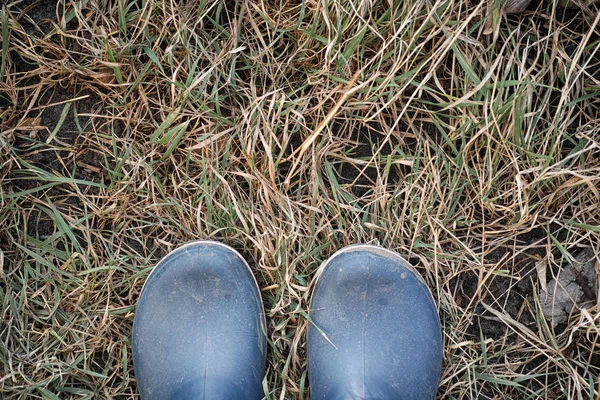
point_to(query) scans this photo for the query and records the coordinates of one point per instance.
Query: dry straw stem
(128, 128)
(348, 90)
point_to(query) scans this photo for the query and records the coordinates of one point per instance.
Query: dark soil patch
(62, 149)
(67, 152)
(39, 225)
(365, 143)
(36, 16)
(22, 65)
(510, 293)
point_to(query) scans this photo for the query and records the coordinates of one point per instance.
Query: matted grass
(288, 129)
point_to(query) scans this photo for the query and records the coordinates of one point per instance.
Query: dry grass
(131, 127)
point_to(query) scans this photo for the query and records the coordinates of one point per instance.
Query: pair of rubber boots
(199, 330)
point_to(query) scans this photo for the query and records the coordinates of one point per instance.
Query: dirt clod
(574, 287)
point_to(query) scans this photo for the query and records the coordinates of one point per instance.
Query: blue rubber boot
(376, 332)
(199, 328)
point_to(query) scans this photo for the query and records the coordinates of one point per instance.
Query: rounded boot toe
(198, 330)
(376, 331)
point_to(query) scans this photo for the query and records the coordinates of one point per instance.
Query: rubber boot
(375, 331)
(199, 329)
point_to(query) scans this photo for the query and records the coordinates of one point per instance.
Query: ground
(468, 144)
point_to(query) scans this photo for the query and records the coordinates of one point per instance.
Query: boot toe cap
(199, 327)
(377, 332)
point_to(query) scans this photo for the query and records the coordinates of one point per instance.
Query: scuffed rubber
(199, 328)
(376, 331)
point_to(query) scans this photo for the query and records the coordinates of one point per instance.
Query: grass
(289, 129)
